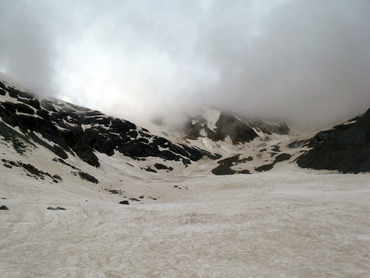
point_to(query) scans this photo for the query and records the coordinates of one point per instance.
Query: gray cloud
(306, 62)
(26, 45)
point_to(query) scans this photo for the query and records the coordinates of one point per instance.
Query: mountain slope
(218, 125)
(230, 144)
(346, 147)
(68, 130)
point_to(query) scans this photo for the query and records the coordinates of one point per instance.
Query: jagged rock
(124, 202)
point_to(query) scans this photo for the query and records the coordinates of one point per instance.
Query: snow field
(284, 223)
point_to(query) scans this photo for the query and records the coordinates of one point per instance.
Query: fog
(305, 62)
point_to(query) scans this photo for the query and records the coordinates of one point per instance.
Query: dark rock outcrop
(264, 168)
(56, 208)
(4, 208)
(345, 148)
(160, 166)
(225, 165)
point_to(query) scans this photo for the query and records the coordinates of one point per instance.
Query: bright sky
(307, 62)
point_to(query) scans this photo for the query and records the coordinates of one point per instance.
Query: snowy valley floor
(284, 223)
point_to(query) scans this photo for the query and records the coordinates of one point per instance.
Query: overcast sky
(307, 62)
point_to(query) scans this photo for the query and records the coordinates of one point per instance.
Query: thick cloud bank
(307, 62)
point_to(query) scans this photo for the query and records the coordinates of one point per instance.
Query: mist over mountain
(251, 144)
(304, 62)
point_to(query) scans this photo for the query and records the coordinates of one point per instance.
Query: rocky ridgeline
(239, 129)
(67, 129)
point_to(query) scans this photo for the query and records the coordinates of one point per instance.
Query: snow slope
(287, 222)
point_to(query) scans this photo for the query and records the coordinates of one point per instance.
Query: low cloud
(306, 62)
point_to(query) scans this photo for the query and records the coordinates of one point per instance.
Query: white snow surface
(287, 222)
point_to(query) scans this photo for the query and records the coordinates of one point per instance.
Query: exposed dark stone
(186, 161)
(148, 169)
(168, 155)
(282, 157)
(113, 191)
(225, 165)
(162, 142)
(345, 148)
(244, 172)
(65, 163)
(159, 166)
(177, 149)
(194, 154)
(56, 208)
(238, 131)
(124, 202)
(298, 144)
(4, 208)
(32, 170)
(88, 177)
(75, 140)
(193, 126)
(134, 199)
(264, 168)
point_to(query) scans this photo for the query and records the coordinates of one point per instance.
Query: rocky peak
(218, 125)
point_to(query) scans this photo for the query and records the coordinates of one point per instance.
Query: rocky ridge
(231, 143)
(69, 130)
(218, 125)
